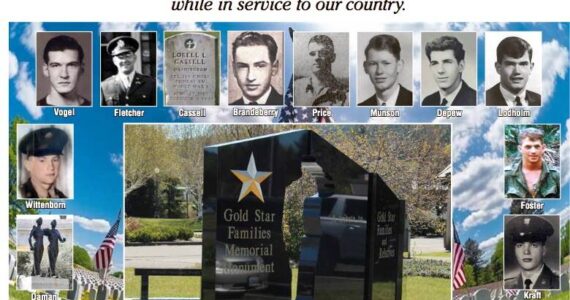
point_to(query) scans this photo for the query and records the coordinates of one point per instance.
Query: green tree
(496, 262)
(469, 275)
(15, 207)
(81, 257)
(565, 241)
(473, 257)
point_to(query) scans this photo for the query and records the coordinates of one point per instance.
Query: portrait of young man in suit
(446, 57)
(514, 65)
(383, 64)
(255, 64)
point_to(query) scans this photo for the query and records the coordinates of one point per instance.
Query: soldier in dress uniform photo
(128, 86)
(532, 257)
(44, 153)
(320, 85)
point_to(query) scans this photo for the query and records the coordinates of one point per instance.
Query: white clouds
(91, 249)
(97, 225)
(491, 242)
(117, 160)
(555, 62)
(125, 27)
(26, 91)
(478, 188)
(175, 26)
(28, 38)
(13, 65)
(564, 215)
(565, 156)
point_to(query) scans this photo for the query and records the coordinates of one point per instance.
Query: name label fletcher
(117, 112)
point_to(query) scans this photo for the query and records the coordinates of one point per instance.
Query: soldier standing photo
(54, 237)
(37, 247)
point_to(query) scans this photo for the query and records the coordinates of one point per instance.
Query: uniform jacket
(141, 93)
(274, 99)
(28, 192)
(547, 280)
(404, 99)
(43, 102)
(465, 97)
(334, 93)
(493, 97)
(548, 184)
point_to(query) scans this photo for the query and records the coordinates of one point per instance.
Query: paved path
(426, 245)
(186, 256)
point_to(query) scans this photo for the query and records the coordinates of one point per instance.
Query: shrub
(427, 268)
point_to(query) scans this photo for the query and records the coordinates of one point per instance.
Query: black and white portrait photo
(320, 69)
(63, 69)
(385, 68)
(128, 68)
(255, 61)
(449, 69)
(513, 68)
(532, 252)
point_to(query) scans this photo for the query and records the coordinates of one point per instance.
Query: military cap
(122, 44)
(43, 141)
(529, 229)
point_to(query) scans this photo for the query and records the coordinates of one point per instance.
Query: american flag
(512, 293)
(105, 251)
(458, 261)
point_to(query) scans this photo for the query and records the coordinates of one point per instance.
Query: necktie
(383, 103)
(527, 284)
(444, 102)
(518, 101)
(252, 103)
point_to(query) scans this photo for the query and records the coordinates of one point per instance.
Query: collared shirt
(261, 101)
(533, 278)
(510, 97)
(451, 96)
(391, 101)
(548, 185)
(127, 79)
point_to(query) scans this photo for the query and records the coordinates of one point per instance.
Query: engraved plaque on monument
(191, 68)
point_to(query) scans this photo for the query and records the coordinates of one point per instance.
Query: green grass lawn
(419, 288)
(19, 295)
(162, 286)
(566, 260)
(561, 296)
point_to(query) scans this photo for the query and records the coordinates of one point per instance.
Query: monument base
(47, 283)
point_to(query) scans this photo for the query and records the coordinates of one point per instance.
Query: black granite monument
(352, 248)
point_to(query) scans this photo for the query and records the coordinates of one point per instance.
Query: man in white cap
(127, 87)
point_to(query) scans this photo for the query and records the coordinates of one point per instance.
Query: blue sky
(477, 137)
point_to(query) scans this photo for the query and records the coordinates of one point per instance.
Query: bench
(145, 273)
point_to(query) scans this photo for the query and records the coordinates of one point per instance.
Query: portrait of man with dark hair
(64, 67)
(446, 57)
(383, 64)
(531, 173)
(531, 258)
(317, 84)
(514, 64)
(255, 66)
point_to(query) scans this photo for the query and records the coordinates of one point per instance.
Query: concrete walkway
(176, 256)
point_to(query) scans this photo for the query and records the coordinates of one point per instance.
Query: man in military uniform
(528, 235)
(532, 176)
(127, 87)
(321, 88)
(41, 152)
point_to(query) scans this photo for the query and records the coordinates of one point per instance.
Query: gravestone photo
(191, 70)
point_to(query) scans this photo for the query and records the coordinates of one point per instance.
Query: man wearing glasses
(127, 87)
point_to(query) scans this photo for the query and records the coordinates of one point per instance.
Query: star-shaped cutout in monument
(251, 179)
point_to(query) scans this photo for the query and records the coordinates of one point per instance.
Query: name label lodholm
(514, 113)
